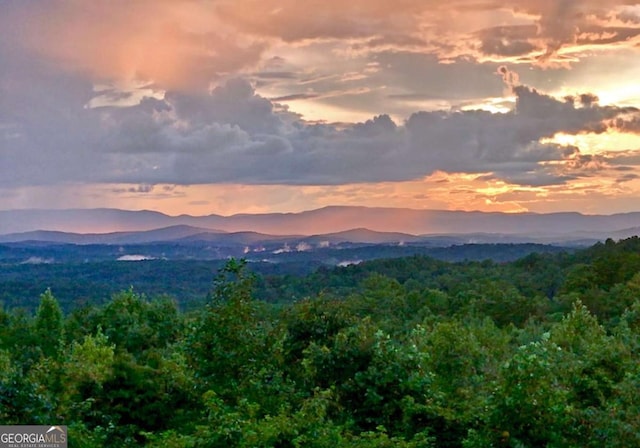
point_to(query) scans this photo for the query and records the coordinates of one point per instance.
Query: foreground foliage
(411, 352)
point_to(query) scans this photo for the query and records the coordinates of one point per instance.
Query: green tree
(21, 401)
(530, 404)
(48, 325)
(136, 325)
(230, 343)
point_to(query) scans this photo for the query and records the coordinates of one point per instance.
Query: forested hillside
(407, 352)
(79, 274)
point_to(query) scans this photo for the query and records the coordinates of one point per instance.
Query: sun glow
(494, 105)
(312, 110)
(593, 143)
(620, 95)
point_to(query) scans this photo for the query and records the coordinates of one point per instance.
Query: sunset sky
(246, 106)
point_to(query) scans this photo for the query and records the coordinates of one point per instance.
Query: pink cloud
(174, 45)
(188, 44)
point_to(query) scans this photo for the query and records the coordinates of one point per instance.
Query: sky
(256, 106)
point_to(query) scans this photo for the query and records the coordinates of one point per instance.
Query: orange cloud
(187, 44)
(172, 44)
(533, 30)
(445, 191)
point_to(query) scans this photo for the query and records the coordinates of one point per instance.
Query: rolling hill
(111, 223)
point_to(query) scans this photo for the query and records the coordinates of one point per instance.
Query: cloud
(174, 45)
(235, 103)
(561, 24)
(510, 78)
(189, 45)
(295, 96)
(155, 92)
(233, 135)
(628, 178)
(515, 40)
(624, 160)
(552, 24)
(630, 123)
(530, 31)
(293, 21)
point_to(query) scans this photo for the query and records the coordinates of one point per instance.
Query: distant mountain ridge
(132, 237)
(363, 235)
(323, 221)
(187, 234)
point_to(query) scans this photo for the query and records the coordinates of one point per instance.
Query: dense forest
(77, 275)
(403, 352)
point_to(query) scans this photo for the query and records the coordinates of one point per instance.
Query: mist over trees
(406, 352)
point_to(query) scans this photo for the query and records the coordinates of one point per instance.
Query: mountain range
(182, 234)
(330, 224)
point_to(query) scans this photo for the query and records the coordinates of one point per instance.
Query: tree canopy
(409, 352)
